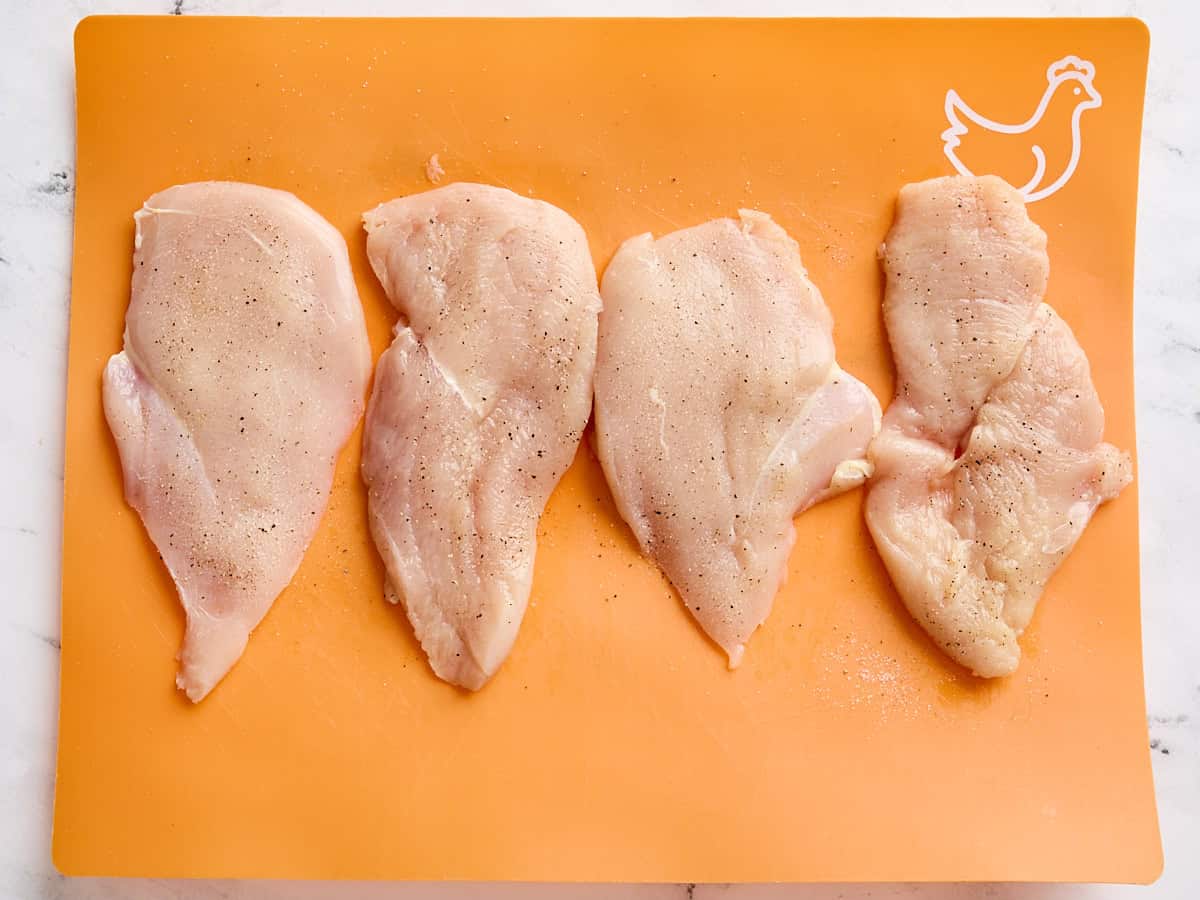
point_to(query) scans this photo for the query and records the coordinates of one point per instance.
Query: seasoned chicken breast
(243, 374)
(477, 410)
(721, 412)
(990, 461)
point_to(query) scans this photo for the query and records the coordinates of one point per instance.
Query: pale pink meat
(477, 410)
(243, 373)
(990, 461)
(721, 412)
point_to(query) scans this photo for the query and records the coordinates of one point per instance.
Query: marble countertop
(36, 193)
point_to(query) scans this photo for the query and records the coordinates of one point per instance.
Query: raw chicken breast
(243, 374)
(990, 462)
(721, 412)
(477, 409)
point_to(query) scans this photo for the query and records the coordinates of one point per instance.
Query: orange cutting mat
(614, 744)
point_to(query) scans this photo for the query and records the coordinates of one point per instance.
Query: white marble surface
(36, 189)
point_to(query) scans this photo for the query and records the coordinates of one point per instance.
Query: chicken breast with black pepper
(243, 373)
(990, 462)
(721, 412)
(477, 410)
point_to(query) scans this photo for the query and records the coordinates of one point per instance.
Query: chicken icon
(1068, 93)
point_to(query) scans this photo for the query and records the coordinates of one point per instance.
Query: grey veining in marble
(36, 194)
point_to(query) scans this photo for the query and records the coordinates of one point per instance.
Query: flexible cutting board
(614, 744)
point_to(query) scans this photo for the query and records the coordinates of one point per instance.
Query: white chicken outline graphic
(1069, 68)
